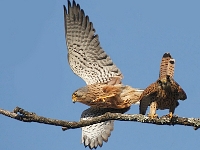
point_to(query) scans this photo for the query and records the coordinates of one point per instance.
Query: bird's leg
(119, 103)
(171, 110)
(127, 101)
(109, 91)
(170, 115)
(103, 98)
(152, 114)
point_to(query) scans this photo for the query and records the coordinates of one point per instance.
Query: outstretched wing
(164, 64)
(94, 135)
(85, 56)
(94, 138)
(89, 61)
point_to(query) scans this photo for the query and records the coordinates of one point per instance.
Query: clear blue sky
(35, 75)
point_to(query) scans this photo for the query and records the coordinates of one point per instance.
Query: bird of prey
(103, 95)
(104, 91)
(165, 92)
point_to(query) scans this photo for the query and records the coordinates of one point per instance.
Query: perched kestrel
(104, 91)
(165, 92)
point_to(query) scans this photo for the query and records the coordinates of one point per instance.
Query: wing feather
(147, 97)
(94, 135)
(85, 56)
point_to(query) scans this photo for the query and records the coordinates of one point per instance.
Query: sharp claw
(170, 115)
(102, 99)
(125, 102)
(152, 116)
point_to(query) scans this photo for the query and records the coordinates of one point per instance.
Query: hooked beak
(74, 98)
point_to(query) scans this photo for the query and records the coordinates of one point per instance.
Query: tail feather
(171, 67)
(164, 64)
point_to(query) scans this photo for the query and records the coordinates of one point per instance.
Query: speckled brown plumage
(165, 92)
(88, 60)
(164, 64)
(116, 96)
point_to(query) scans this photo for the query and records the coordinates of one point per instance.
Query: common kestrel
(165, 92)
(104, 91)
(103, 95)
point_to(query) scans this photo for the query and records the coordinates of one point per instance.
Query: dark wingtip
(177, 104)
(184, 96)
(141, 110)
(69, 5)
(74, 3)
(166, 55)
(65, 9)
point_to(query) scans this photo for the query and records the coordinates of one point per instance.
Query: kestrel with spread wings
(104, 91)
(165, 92)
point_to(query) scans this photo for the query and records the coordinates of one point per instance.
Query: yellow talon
(126, 101)
(170, 115)
(102, 99)
(152, 116)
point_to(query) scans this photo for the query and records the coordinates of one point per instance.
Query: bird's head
(79, 95)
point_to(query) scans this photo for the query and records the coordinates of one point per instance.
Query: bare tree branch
(25, 116)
